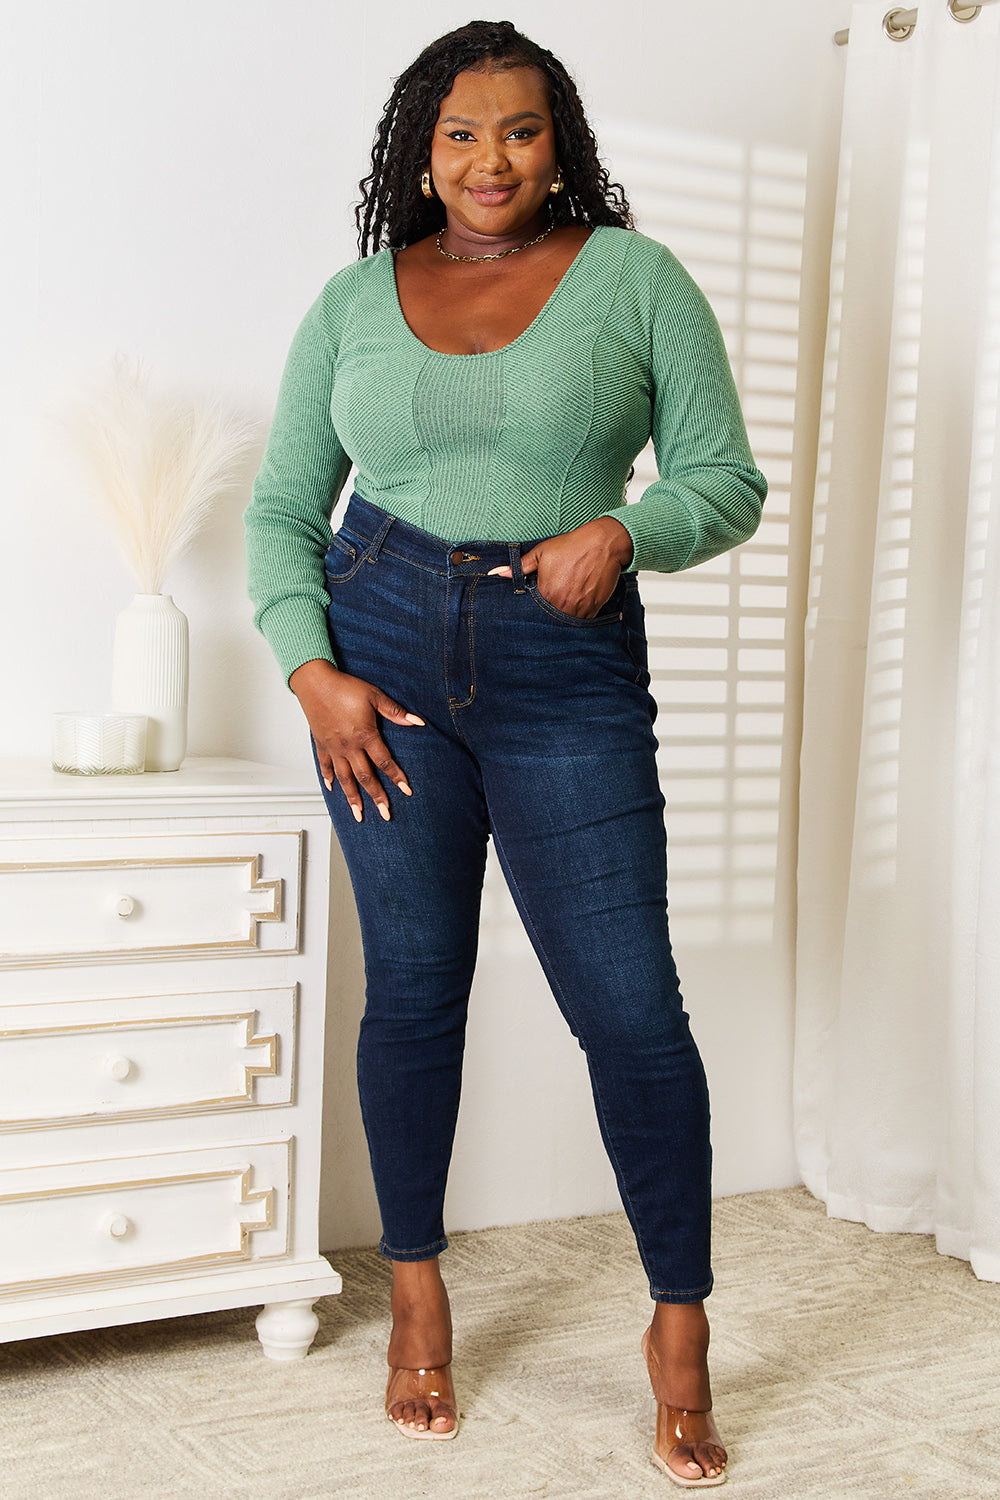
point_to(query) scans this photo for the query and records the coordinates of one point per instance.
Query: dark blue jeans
(539, 734)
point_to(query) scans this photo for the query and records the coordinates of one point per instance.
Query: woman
(469, 652)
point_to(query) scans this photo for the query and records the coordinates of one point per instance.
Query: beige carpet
(846, 1364)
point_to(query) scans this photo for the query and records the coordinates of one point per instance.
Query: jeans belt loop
(515, 567)
(380, 536)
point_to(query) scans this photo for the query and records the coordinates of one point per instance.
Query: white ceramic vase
(150, 675)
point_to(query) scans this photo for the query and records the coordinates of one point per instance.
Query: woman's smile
(490, 196)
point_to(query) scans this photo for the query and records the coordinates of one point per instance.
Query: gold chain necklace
(500, 253)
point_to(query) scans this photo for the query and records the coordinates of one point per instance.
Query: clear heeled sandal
(677, 1427)
(424, 1386)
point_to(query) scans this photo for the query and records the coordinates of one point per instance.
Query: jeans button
(458, 557)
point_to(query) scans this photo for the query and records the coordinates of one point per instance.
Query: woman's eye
(525, 133)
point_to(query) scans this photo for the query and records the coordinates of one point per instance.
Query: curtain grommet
(896, 29)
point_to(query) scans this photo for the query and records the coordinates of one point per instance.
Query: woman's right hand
(342, 713)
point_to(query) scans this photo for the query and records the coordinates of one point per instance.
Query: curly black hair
(393, 210)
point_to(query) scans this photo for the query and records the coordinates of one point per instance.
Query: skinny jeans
(538, 734)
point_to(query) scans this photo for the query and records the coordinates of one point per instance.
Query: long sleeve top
(514, 445)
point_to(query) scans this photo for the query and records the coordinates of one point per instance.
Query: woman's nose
(491, 157)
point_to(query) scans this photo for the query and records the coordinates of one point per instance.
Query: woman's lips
(491, 196)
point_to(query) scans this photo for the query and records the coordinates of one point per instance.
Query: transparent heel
(676, 1427)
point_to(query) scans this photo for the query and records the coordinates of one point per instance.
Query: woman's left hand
(578, 570)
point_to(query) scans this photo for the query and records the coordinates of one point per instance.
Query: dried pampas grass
(159, 466)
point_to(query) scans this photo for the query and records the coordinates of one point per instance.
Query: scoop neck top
(485, 353)
(513, 444)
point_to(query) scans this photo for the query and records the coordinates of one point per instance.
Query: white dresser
(163, 944)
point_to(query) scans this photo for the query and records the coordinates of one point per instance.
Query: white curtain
(897, 1082)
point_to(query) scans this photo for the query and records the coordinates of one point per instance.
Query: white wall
(179, 179)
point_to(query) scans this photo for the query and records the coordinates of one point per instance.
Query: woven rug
(845, 1364)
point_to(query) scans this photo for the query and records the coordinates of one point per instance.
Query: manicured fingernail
(413, 719)
(499, 572)
(357, 813)
(384, 811)
(403, 787)
(328, 784)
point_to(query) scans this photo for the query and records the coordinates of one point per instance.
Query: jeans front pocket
(610, 612)
(342, 559)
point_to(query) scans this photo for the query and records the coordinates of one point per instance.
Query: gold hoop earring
(425, 185)
(559, 184)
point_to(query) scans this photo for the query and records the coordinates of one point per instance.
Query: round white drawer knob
(118, 1067)
(125, 906)
(117, 1226)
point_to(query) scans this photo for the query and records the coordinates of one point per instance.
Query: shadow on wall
(734, 216)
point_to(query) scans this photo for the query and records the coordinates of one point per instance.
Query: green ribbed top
(514, 445)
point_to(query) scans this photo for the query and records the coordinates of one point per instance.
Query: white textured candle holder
(99, 744)
(150, 675)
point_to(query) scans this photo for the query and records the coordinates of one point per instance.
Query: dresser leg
(286, 1329)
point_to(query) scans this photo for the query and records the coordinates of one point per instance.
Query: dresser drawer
(182, 895)
(134, 1216)
(139, 1057)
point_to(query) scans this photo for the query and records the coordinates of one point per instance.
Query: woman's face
(493, 152)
